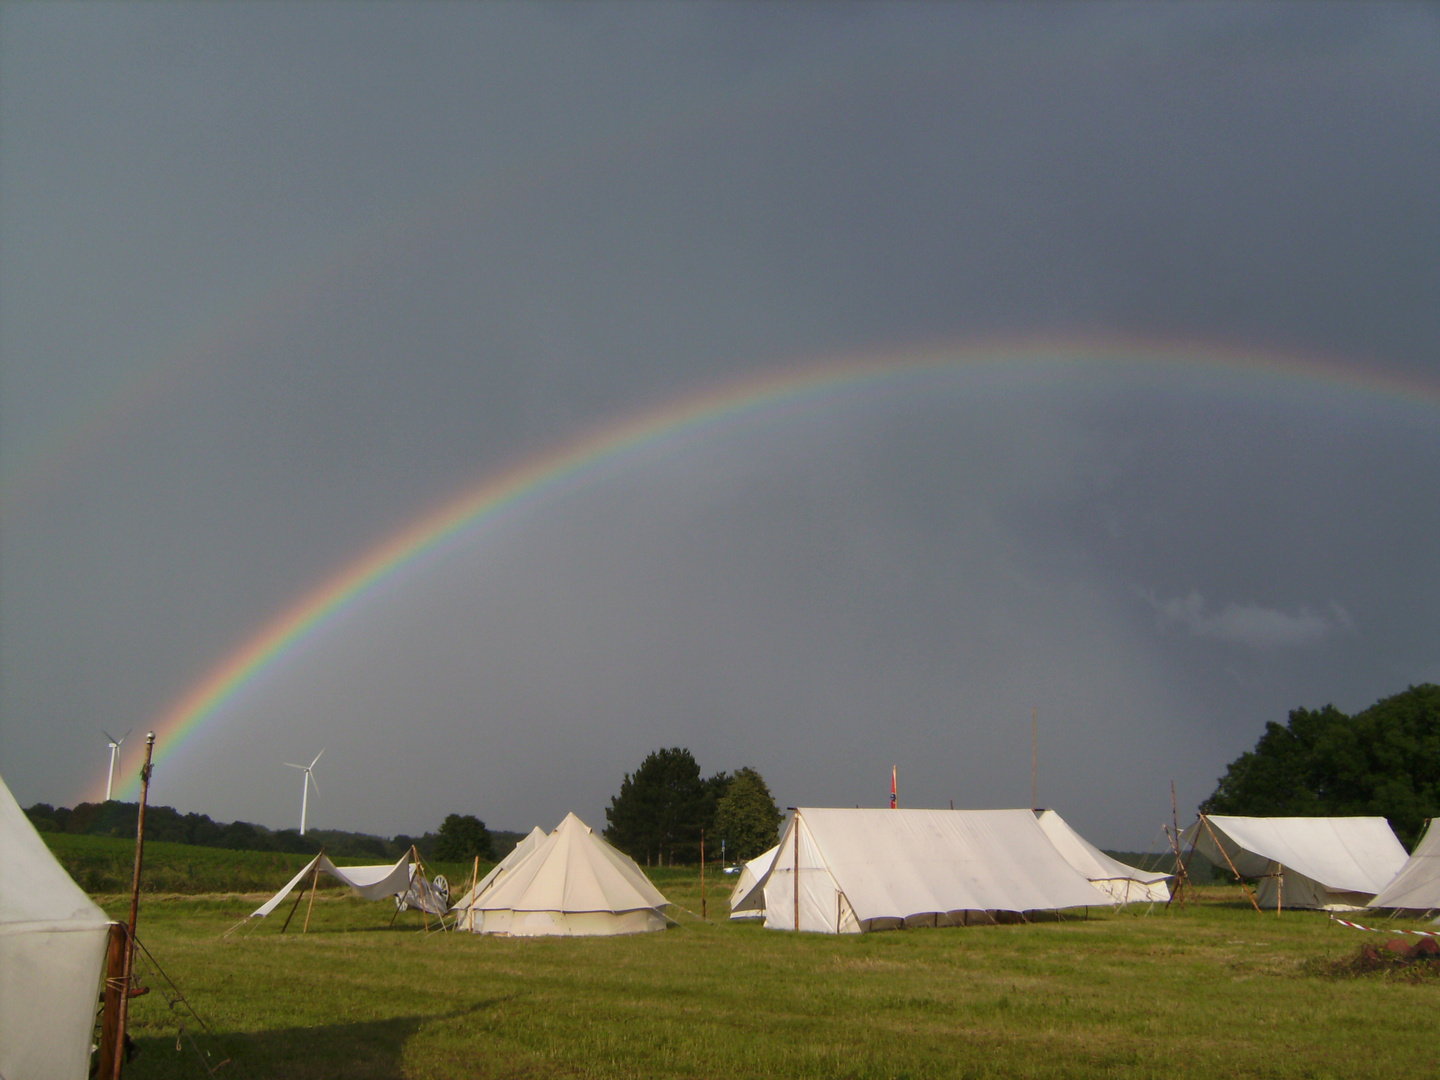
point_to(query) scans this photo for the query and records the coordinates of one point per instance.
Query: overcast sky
(278, 279)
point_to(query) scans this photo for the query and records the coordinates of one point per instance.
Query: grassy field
(1214, 990)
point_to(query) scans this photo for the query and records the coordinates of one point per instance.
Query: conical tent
(1332, 863)
(573, 884)
(747, 899)
(499, 870)
(1119, 882)
(862, 870)
(52, 951)
(1417, 886)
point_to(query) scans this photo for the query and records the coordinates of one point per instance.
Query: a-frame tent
(370, 882)
(747, 899)
(1330, 863)
(53, 939)
(1416, 887)
(573, 884)
(1119, 882)
(852, 871)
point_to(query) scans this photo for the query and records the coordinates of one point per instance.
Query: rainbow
(706, 414)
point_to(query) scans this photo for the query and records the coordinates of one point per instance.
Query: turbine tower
(114, 757)
(309, 771)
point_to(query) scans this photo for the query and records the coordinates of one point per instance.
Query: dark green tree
(462, 836)
(746, 816)
(1383, 761)
(662, 807)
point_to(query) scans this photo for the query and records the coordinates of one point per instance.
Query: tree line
(665, 807)
(1384, 761)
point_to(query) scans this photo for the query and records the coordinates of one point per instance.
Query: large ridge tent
(1332, 863)
(747, 899)
(52, 952)
(573, 884)
(371, 882)
(862, 870)
(462, 907)
(1417, 886)
(1118, 881)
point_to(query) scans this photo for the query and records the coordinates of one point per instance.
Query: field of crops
(1209, 991)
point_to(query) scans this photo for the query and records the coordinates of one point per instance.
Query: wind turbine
(309, 771)
(114, 756)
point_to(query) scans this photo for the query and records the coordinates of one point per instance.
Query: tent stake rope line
(178, 997)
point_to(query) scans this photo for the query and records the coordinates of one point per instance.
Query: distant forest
(166, 824)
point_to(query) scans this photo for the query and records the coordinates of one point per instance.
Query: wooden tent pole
(1255, 903)
(129, 966)
(795, 824)
(424, 893)
(314, 887)
(474, 880)
(303, 890)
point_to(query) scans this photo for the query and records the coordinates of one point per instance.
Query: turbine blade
(302, 768)
(312, 781)
(317, 757)
(114, 741)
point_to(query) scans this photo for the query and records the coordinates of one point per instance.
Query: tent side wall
(49, 987)
(567, 923)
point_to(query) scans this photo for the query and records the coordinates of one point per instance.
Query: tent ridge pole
(1255, 903)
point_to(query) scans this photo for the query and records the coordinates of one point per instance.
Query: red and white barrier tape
(1379, 930)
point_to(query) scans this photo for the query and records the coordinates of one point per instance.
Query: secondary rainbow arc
(696, 415)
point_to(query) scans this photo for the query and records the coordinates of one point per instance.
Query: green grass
(1214, 990)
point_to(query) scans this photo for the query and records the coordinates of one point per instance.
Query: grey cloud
(1250, 624)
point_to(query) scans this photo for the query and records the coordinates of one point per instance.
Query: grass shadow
(369, 1050)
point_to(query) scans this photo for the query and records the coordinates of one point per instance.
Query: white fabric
(500, 869)
(52, 955)
(1119, 882)
(371, 882)
(865, 870)
(573, 883)
(747, 899)
(1417, 886)
(1311, 862)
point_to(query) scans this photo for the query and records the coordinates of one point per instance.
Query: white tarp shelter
(862, 870)
(371, 882)
(1118, 881)
(1417, 886)
(747, 899)
(571, 884)
(461, 907)
(1332, 863)
(53, 940)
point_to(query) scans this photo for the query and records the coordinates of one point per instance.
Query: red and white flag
(892, 787)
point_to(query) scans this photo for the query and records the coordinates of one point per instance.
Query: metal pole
(1035, 758)
(134, 909)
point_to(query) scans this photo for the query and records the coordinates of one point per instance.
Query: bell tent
(573, 884)
(862, 870)
(53, 940)
(747, 899)
(1331, 863)
(517, 855)
(1119, 882)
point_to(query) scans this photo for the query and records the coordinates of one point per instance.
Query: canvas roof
(895, 864)
(1345, 854)
(1417, 885)
(52, 948)
(371, 882)
(1105, 873)
(573, 870)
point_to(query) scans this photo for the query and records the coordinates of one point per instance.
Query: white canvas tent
(571, 884)
(1417, 886)
(371, 882)
(52, 954)
(1118, 882)
(1332, 863)
(862, 870)
(461, 908)
(747, 899)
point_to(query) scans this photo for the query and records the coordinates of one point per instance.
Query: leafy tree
(662, 808)
(463, 837)
(746, 816)
(1383, 761)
